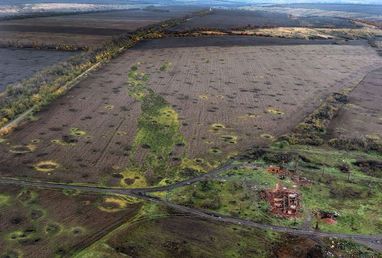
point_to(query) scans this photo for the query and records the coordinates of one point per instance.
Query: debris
(284, 202)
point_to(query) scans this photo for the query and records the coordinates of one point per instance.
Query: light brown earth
(256, 92)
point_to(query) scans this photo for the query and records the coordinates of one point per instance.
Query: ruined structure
(284, 202)
(277, 170)
(328, 217)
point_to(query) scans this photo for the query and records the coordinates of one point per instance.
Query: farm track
(372, 241)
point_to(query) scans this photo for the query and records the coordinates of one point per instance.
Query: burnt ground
(81, 30)
(255, 92)
(362, 116)
(223, 19)
(46, 223)
(18, 64)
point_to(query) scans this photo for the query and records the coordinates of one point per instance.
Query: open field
(82, 30)
(349, 8)
(221, 19)
(50, 223)
(362, 116)
(18, 64)
(203, 103)
(218, 134)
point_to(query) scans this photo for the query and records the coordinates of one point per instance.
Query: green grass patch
(4, 200)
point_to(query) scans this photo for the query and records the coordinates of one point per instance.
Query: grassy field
(355, 194)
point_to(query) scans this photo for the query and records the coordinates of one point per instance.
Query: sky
(10, 2)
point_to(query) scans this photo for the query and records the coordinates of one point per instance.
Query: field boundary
(69, 85)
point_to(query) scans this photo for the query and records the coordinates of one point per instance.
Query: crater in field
(267, 136)
(215, 150)
(46, 166)
(113, 204)
(216, 127)
(36, 214)
(232, 139)
(76, 231)
(52, 229)
(21, 149)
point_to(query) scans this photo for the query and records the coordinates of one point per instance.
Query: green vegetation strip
(158, 128)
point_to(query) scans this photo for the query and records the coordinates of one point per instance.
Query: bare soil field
(368, 9)
(18, 64)
(222, 19)
(362, 116)
(83, 30)
(49, 223)
(220, 100)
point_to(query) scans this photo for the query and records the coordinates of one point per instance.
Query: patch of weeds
(11, 254)
(33, 118)
(71, 192)
(196, 165)
(165, 67)
(136, 82)
(132, 178)
(312, 130)
(77, 132)
(4, 200)
(203, 97)
(275, 111)
(113, 204)
(121, 133)
(360, 143)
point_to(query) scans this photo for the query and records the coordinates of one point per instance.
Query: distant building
(276, 170)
